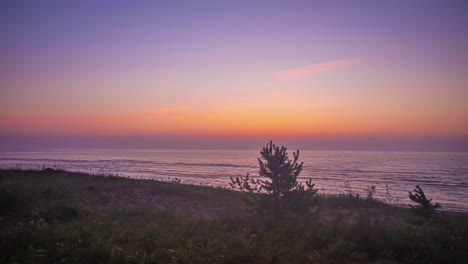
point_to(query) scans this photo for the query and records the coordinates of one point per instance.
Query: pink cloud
(300, 72)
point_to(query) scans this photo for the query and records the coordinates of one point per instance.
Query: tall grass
(62, 217)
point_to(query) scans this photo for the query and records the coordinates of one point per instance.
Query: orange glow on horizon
(287, 105)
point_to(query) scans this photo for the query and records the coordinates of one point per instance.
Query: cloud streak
(191, 108)
(301, 72)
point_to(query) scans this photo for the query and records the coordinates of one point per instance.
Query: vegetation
(282, 172)
(281, 184)
(55, 216)
(425, 207)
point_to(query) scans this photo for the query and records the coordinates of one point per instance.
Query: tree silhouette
(281, 171)
(425, 206)
(281, 183)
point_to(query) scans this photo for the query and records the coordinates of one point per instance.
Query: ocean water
(442, 175)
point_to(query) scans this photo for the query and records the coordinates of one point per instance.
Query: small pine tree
(281, 184)
(424, 207)
(282, 172)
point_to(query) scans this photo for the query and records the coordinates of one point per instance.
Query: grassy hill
(52, 216)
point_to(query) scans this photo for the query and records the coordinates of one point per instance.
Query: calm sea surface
(443, 176)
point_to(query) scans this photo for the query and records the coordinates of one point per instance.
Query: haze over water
(442, 175)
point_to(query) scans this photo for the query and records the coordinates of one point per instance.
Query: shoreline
(225, 187)
(441, 176)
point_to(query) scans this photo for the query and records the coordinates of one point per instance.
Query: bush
(281, 184)
(425, 207)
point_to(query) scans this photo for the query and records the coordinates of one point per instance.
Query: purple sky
(380, 75)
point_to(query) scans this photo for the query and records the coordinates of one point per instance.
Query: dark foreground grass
(62, 217)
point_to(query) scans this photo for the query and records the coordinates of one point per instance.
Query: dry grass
(63, 217)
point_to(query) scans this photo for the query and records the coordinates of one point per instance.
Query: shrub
(425, 207)
(281, 184)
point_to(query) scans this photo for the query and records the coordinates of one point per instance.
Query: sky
(377, 75)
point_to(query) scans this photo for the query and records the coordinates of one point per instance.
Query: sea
(442, 175)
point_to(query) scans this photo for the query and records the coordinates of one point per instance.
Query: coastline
(440, 175)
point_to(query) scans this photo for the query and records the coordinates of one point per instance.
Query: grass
(64, 217)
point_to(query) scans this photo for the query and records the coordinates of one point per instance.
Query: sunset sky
(383, 75)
